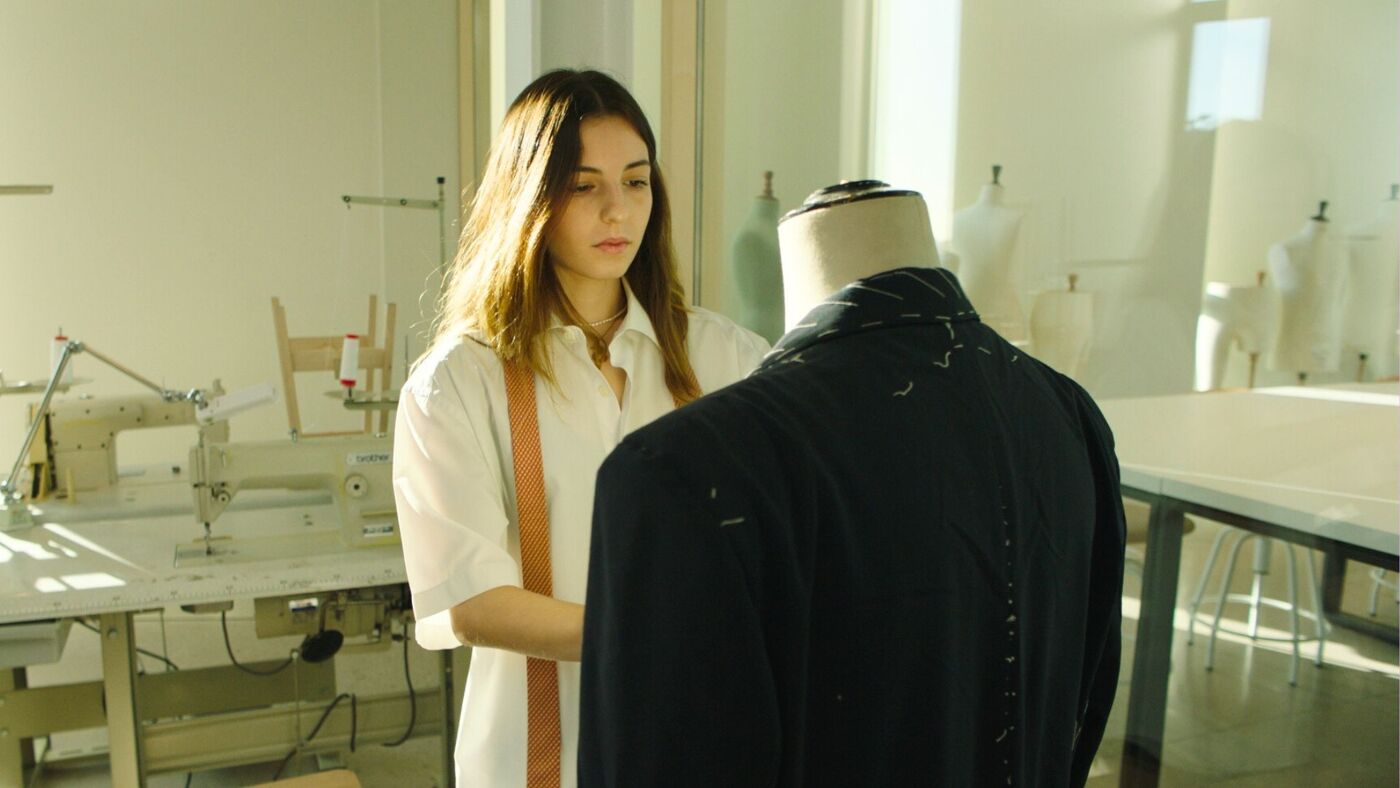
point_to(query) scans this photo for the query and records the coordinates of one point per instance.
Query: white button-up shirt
(455, 488)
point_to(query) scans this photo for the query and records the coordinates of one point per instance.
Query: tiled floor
(1241, 724)
(1238, 725)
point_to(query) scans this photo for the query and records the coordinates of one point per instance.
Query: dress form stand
(1372, 307)
(756, 269)
(846, 232)
(1062, 324)
(1307, 279)
(984, 237)
(1243, 316)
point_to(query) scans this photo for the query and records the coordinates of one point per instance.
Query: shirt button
(604, 391)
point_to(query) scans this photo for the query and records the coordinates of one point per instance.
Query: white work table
(1317, 466)
(62, 569)
(114, 555)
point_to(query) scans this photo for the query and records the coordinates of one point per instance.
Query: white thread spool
(350, 360)
(60, 343)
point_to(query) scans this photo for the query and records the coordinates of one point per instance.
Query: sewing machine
(79, 446)
(354, 469)
(75, 449)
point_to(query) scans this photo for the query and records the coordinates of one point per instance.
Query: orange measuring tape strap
(543, 744)
(544, 735)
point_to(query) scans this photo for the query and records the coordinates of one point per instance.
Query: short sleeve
(749, 350)
(721, 351)
(448, 491)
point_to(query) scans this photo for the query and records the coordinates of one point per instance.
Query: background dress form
(1062, 325)
(1373, 292)
(984, 237)
(1231, 314)
(1304, 272)
(755, 268)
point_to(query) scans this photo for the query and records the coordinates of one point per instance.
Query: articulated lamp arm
(16, 513)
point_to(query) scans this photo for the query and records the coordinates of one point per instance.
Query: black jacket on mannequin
(893, 555)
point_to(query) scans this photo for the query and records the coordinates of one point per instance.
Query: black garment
(893, 555)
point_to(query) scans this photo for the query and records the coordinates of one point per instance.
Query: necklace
(596, 323)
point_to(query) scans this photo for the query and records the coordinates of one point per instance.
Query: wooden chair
(322, 354)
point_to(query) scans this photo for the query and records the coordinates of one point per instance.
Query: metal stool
(1262, 549)
(1378, 580)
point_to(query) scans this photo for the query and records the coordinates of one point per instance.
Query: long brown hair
(501, 283)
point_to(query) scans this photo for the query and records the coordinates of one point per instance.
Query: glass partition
(1155, 152)
(1201, 197)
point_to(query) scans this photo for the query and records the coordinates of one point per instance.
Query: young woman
(565, 276)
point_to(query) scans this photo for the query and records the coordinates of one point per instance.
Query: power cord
(228, 646)
(141, 651)
(354, 723)
(412, 699)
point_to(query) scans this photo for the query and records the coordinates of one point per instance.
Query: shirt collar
(899, 297)
(636, 318)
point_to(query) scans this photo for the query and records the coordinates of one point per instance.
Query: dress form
(1373, 292)
(1062, 324)
(755, 268)
(846, 232)
(1306, 279)
(984, 237)
(1243, 316)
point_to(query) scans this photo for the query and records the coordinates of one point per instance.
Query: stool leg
(1376, 576)
(1205, 579)
(1262, 548)
(1293, 611)
(1255, 593)
(1220, 603)
(1321, 620)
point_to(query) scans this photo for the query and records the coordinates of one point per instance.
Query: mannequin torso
(756, 271)
(882, 443)
(1231, 314)
(984, 236)
(1306, 279)
(1062, 323)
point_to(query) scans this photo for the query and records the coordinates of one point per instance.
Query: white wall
(418, 100)
(198, 153)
